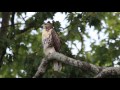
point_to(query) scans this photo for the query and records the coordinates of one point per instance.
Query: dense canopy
(92, 37)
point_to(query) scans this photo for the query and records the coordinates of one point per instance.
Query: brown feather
(56, 45)
(56, 40)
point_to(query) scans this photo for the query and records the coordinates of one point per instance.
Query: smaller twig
(6, 26)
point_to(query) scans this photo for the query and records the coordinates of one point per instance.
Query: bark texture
(99, 72)
(3, 34)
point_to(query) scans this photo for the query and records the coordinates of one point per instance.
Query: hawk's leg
(57, 66)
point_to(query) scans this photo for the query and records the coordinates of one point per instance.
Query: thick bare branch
(77, 63)
(67, 60)
(109, 72)
(100, 72)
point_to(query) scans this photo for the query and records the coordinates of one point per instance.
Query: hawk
(51, 43)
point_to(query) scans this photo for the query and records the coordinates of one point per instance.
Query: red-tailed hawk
(51, 43)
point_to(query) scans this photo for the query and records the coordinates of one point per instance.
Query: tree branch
(31, 23)
(41, 69)
(109, 72)
(99, 72)
(67, 60)
(12, 20)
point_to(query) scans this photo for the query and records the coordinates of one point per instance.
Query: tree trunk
(3, 34)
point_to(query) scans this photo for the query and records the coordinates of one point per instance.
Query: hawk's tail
(57, 66)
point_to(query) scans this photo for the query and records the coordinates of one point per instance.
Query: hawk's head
(47, 26)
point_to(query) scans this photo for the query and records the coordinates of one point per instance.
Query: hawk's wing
(56, 40)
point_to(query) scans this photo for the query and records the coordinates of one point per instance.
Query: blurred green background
(88, 36)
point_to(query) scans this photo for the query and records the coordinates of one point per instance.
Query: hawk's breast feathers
(51, 43)
(50, 39)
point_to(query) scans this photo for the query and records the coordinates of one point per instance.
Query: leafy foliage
(24, 41)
